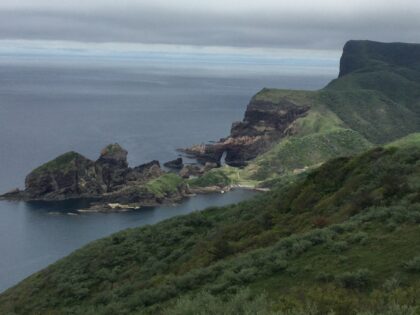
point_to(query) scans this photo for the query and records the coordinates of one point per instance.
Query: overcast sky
(241, 25)
(324, 24)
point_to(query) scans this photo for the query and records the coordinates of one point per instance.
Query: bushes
(212, 178)
(204, 303)
(359, 279)
(358, 238)
(413, 265)
(339, 246)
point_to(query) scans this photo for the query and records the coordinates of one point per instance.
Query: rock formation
(175, 164)
(72, 175)
(265, 122)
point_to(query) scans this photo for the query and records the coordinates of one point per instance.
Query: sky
(264, 28)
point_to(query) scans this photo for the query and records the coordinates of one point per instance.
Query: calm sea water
(49, 108)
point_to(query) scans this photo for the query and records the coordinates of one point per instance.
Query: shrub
(354, 280)
(320, 222)
(339, 246)
(413, 265)
(358, 238)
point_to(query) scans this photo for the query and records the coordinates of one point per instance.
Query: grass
(333, 240)
(297, 154)
(215, 177)
(410, 140)
(62, 163)
(337, 238)
(165, 185)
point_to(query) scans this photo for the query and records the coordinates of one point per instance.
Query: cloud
(318, 24)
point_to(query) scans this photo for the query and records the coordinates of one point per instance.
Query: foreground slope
(345, 238)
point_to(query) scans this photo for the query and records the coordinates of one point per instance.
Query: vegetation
(339, 237)
(165, 185)
(296, 154)
(342, 239)
(215, 177)
(375, 100)
(407, 141)
(61, 163)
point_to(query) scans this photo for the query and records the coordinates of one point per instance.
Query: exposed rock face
(145, 172)
(69, 174)
(175, 164)
(191, 170)
(73, 175)
(264, 123)
(112, 167)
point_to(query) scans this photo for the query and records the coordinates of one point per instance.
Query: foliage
(269, 244)
(213, 177)
(164, 185)
(61, 163)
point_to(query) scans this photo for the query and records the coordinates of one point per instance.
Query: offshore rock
(72, 175)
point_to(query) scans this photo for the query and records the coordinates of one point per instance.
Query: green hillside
(375, 100)
(342, 239)
(410, 140)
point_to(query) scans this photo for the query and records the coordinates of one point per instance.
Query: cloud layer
(317, 24)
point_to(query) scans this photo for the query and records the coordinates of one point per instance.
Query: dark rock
(265, 123)
(72, 175)
(112, 167)
(14, 194)
(175, 164)
(145, 172)
(191, 170)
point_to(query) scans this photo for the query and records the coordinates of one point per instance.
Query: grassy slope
(377, 97)
(61, 163)
(317, 137)
(410, 140)
(165, 185)
(343, 238)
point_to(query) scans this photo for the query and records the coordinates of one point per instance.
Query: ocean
(48, 108)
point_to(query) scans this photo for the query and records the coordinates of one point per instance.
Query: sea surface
(48, 108)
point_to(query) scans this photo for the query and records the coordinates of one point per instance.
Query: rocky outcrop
(191, 170)
(112, 167)
(265, 122)
(72, 175)
(176, 164)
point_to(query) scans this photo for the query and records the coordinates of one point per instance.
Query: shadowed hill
(345, 238)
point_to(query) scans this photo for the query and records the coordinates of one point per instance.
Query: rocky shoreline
(114, 186)
(264, 124)
(110, 183)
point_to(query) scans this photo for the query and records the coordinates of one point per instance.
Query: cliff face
(265, 122)
(69, 174)
(73, 175)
